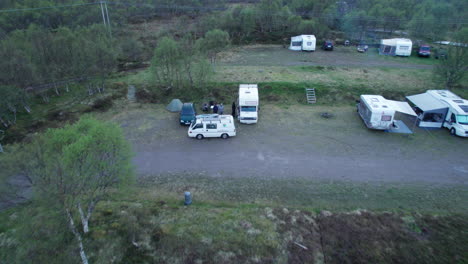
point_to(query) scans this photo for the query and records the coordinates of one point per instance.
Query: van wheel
(224, 136)
(199, 136)
(453, 132)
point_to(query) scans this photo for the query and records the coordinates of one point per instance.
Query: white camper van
(248, 104)
(303, 42)
(442, 108)
(378, 112)
(212, 126)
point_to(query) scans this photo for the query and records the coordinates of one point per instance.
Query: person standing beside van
(221, 109)
(215, 109)
(233, 109)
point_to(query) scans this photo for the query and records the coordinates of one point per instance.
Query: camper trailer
(303, 42)
(248, 103)
(378, 112)
(395, 47)
(442, 108)
(221, 126)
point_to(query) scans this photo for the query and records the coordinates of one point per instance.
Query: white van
(248, 103)
(212, 126)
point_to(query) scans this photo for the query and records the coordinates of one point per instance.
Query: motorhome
(442, 108)
(212, 125)
(396, 47)
(248, 104)
(303, 42)
(378, 112)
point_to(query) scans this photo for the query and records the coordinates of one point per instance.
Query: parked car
(362, 48)
(212, 125)
(187, 114)
(440, 53)
(327, 45)
(424, 51)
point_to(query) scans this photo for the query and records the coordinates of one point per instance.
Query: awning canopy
(402, 107)
(426, 102)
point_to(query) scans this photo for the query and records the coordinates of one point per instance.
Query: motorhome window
(387, 49)
(386, 118)
(248, 108)
(296, 43)
(211, 126)
(309, 43)
(462, 119)
(404, 47)
(464, 108)
(433, 117)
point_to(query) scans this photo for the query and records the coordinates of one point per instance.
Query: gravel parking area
(295, 142)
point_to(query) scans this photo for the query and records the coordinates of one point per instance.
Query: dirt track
(297, 142)
(276, 55)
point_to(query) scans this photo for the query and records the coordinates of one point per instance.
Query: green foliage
(451, 70)
(178, 67)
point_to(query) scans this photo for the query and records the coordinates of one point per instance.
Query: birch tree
(73, 168)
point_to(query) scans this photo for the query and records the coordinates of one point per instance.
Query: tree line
(38, 55)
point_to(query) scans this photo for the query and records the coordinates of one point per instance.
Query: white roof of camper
(456, 103)
(301, 37)
(379, 103)
(248, 91)
(394, 41)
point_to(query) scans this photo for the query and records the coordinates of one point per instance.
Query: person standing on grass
(233, 109)
(215, 109)
(221, 109)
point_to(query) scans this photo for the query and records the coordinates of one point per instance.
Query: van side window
(452, 118)
(198, 126)
(211, 126)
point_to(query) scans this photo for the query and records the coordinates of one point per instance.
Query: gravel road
(297, 142)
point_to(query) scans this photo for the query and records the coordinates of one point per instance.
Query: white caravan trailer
(396, 47)
(248, 103)
(378, 112)
(442, 108)
(303, 42)
(212, 126)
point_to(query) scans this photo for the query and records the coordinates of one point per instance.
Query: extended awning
(402, 107)
(426, 102)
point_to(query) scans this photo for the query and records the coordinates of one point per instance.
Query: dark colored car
(424, 51)
(440, 53)
(327, 45)
(187, 114)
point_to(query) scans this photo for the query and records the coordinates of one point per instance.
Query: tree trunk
(85, 218)
(75, 232)
(56, 89)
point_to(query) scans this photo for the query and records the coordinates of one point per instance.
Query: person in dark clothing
(215, 109)
(234, 109)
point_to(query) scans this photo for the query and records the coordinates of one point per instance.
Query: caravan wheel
(224, 136)
(453, 132)
(199, 136)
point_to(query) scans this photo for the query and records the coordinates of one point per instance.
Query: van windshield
(462, 119)
(424, 48)
(248, 108)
